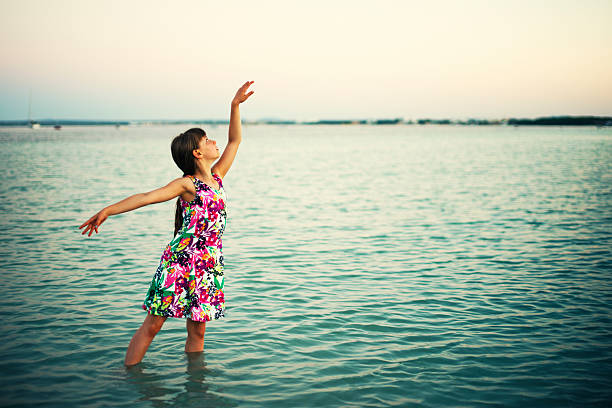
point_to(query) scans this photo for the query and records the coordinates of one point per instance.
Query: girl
(189, 280)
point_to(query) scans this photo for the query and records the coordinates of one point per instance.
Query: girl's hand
(94, 222)
(241, 95)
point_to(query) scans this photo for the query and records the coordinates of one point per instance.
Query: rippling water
(365, 266)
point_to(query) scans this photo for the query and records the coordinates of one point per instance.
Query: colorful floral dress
(189, 279)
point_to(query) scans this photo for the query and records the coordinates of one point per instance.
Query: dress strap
(195, 181)
(216, 176)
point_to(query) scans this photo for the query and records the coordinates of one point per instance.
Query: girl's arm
(168, 192)
(235, 132)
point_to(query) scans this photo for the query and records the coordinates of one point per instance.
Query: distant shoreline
(599, 121)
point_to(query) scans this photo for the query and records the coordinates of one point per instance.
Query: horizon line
(337, 119)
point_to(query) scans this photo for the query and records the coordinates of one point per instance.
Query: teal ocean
(365, 266)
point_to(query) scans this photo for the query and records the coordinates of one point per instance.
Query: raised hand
(94, 222)
(242, 94)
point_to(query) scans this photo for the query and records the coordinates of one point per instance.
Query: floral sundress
(189, 280)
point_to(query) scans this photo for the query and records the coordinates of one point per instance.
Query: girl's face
(208, 148)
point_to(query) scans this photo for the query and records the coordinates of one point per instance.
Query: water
(365, 266)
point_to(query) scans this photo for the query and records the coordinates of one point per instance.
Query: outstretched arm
(168, 192)
(235, 132)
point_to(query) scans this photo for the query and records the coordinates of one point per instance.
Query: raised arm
(235, 132)
(168, 192)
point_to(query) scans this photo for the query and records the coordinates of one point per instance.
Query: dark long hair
(182, 148)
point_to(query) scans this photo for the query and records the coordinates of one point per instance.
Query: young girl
(189, 280)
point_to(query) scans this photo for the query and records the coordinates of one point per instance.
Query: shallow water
(365, 266)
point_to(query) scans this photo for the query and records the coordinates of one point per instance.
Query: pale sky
(310, 60)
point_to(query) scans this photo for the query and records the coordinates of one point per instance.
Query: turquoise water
(365, 266)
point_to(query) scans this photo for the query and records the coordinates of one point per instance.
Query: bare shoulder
(185, 181)
(181, 183)
(188, 190)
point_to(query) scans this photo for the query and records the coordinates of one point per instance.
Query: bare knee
(196, 329)
(152, 326)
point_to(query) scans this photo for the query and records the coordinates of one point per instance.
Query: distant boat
(57, 127)
(33, 123)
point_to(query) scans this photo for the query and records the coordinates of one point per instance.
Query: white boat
(33, 123)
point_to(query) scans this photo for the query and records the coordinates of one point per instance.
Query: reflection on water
(150, 385)
(195, 390)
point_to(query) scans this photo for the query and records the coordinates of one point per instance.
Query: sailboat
(33, 124)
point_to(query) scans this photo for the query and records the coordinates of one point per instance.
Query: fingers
(241, 95)
(91, 227)
(86, 230)
(86, 222)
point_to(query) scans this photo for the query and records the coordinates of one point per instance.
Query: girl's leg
(142, 338)
(195, 336)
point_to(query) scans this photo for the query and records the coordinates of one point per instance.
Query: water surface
(365, 266)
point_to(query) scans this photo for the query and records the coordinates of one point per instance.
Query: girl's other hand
(94, 222)
(241, 95)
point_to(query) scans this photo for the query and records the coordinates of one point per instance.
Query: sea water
(365, 266)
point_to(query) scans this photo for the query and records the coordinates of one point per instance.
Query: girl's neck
(203, 171)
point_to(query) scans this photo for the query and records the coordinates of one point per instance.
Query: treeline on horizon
(542, 121)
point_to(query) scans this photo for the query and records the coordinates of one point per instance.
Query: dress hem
(181, 317)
